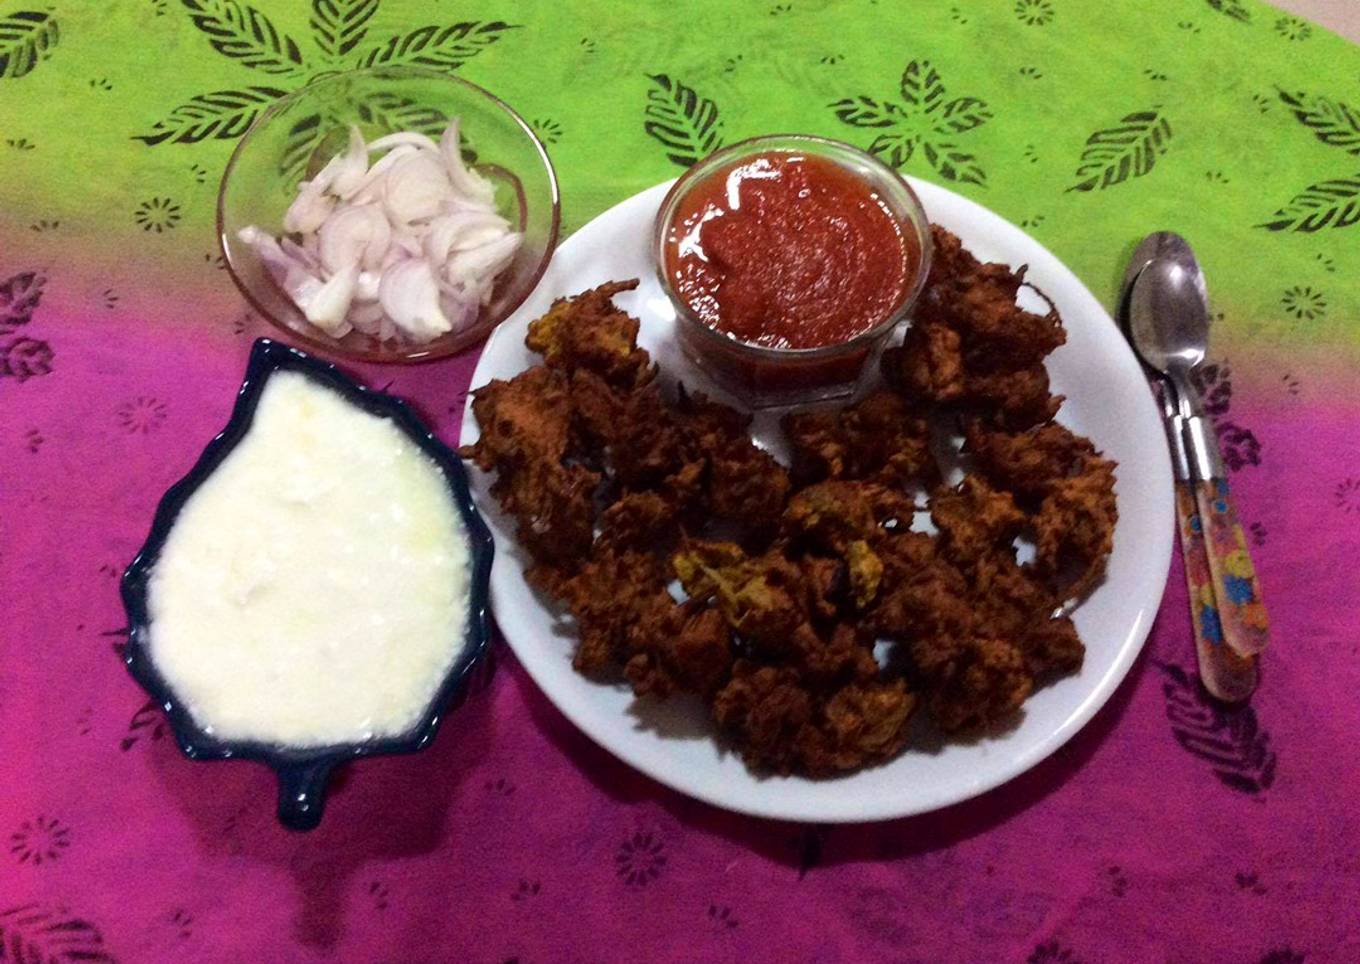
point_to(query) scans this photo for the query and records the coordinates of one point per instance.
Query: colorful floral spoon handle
(1225, 674)
(1245, 624)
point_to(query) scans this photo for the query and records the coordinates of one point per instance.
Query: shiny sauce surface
(785, 250)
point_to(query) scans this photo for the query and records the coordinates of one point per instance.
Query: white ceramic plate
(1107, 400)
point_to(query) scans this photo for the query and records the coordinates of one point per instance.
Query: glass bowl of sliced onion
(393, 214)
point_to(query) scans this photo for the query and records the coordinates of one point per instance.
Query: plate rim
(1101, 690)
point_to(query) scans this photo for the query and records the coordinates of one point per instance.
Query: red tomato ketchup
(785, 250)
(789, 260)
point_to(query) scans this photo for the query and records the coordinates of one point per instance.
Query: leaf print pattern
(245, 34)
(686, 124)
(1229, 739)
(923, 119)
(338, 29)
(1051, 952)
(26, 39)
(38, 840)
(1115, 154)
(25, 358)
(34, 934)
(1231, 8)
(222, 114)
(1334, 203)
(1331, 121)
(1239, 445)
(338, 26)
(445, 48)
(1283, 955)
(19, 295)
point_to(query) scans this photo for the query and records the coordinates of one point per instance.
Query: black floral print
(721, 918)
(157, 214)
(142, 415)
(640, 859)
(1304, 303)
(548, 130)
(42, 839)
(182, 922)
(1293, 28)
(923, 120)
(1346, 496)
(1034, 13)
(1051, 952)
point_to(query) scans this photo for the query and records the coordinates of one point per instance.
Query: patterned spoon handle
(1246, 627)
(1225, 674)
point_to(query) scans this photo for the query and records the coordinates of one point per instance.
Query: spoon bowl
(1168, 313)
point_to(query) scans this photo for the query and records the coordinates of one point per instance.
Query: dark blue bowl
(303, 772)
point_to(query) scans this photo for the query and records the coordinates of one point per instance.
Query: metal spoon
(1168, 322)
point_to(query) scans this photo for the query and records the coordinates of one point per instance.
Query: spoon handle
(1245, 624)
(1226, 675)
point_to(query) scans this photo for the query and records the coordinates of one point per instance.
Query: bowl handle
(302, 794)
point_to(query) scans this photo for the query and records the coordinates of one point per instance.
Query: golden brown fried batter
(882, 438)
(974, 519)
(614, 488)
(1026, 463)
(588, 332)
(525, 419)
(972, 345)
(1074, 528)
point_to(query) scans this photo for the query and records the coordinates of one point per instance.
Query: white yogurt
(314, 589)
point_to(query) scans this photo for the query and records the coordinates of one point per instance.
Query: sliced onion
(355, 234)
(464, 181)
(407, 247)
(328, 305)
(404, 138)
(350, 167)
(415, 188)
(410, 296)
(309, 209)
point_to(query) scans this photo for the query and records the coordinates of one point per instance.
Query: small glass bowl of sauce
(790, 259)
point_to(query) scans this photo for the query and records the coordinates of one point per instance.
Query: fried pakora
(810, 616)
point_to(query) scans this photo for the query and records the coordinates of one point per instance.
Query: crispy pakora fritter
(882, 438)
(589, 333)
(794, 579)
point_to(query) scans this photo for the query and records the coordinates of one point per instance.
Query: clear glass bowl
(764, 377)
(299, 133)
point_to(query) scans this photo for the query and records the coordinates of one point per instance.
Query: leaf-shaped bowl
(303, 772)
(300, 132)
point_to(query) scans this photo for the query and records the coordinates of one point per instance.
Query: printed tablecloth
(1170, 829)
